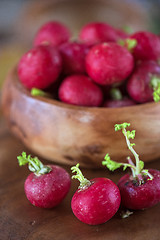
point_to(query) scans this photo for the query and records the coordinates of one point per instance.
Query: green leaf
(110, 164)
(121, 126)
(22, 160)
(131, 134)
(132, 144)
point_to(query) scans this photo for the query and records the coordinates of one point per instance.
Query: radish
(80, 90)
(95, 201)
(144, 84)
(40, 67)
(97, 32)
(53, 32)
(48, 185)
(73, 57)
(109, 63)
(148, 46)
(141, 189)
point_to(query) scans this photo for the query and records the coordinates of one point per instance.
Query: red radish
(108, 63)
(48, 185)
(141, 189)
(144, 83)
(135, 196)
(97, 32)
(148, 46)
(80, 90)
(40, 67)
(119, 103)
(95, 201)
(73, 56)
(117, 99)
(52, 32)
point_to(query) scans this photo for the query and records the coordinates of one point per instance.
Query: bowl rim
(13, 75)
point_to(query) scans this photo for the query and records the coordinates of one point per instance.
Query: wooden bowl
(69, 134)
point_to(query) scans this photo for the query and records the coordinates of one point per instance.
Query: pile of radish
(86, 71)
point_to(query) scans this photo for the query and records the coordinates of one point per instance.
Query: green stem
(147, 173)
(84, 182)
(138, 171)
(138, 168)
(131, 163)
(34, 164)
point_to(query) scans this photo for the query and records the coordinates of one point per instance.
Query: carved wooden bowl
(69, 134)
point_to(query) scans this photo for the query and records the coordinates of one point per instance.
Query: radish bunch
(102, 57)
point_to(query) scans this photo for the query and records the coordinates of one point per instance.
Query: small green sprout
(84, 182)
(138, 169)
(38, 92)
(34, 164)
(116, 94)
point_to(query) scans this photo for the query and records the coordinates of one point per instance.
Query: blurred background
(20, 19)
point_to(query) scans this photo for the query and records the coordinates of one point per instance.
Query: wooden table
(19, 220)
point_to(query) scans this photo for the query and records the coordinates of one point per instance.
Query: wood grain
(69, 134)
(19, 220)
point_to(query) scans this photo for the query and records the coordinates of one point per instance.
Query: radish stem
(138, 171)
(84, 182)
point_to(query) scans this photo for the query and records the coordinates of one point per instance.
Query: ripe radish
(141, 189)
(53, 32)
(95, 201)
(148, 46)
(109, 63)
(73, 57)
(97, 32)
(80, 90)
(144, 84)
(48, 185)
(40, 67)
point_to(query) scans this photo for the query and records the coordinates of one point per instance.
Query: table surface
(19, 220)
